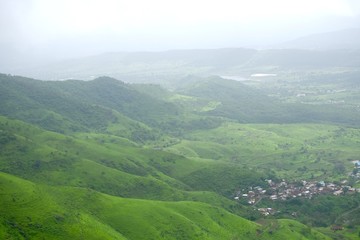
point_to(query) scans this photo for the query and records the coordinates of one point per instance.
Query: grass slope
(34, 211)
(284, 148)
(101, 105)
(107, 164)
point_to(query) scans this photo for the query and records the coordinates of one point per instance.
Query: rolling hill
(103, 159)
(32, 211)
(67, 177)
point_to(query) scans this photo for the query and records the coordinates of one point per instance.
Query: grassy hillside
(115, 166)
(106, 156)
(283, 148)
(109, 164)
(104, 105)
(56, 109)
(32, 211)
(235, 100)
(238, 101)
(109, 106)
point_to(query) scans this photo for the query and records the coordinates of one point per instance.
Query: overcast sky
(70, 28)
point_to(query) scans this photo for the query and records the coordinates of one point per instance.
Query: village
(283, 190)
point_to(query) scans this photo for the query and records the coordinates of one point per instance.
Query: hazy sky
(67, 28)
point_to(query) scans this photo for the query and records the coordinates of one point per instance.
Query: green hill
(31, 211)
(67, 173)
(102, 159)
(235, 100)
(84, 106)
(284, 148)
(111, 165)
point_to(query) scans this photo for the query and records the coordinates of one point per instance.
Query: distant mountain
(142, 66)
(169, 68)
(342, 39)
(304, 59)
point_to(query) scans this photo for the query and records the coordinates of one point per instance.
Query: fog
(42, 30)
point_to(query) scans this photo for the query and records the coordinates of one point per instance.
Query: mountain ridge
(341, 39)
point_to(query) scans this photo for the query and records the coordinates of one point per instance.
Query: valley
(197, 157)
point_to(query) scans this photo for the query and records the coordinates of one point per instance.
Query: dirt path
(346, 213)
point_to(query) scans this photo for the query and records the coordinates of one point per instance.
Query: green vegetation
(108, 160)
(283, 148)
(32, 211)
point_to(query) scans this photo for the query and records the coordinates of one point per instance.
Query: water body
(263, 75)
(255, 75)
(236, 78)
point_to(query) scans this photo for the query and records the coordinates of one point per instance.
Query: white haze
(56, 29)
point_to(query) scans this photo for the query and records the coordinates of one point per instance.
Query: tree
(339, 168)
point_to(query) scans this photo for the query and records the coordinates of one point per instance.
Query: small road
(258, 201)
(346, 213)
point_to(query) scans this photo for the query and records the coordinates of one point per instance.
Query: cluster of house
(304, 189)
(284, 190)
